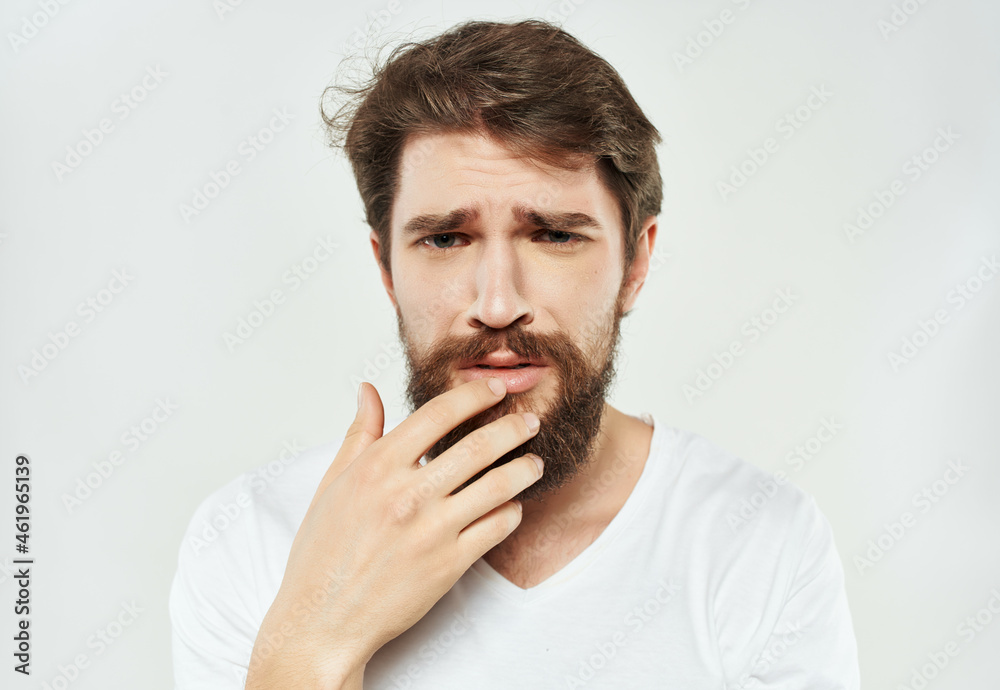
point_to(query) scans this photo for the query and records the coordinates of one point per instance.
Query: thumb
(367, 427)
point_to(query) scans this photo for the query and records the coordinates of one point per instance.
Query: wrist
(302, 670)
(286, 655)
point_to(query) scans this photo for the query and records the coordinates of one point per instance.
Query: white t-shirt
(714, 574)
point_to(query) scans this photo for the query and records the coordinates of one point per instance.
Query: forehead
(443, 172)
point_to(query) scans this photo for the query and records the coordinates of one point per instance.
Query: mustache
(551, 346)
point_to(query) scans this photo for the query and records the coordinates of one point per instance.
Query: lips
(516, 366)
(520, 374)
(502, 360)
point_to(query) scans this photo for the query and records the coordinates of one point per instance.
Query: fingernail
(496, 385)
(361, 397)
(538, 461)
(531, 420)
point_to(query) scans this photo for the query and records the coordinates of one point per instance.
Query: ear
(386, 276)
(640, 265)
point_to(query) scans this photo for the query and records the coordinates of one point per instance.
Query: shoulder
(735, 497)
(233, 552)
(272, 497)
(745, 528)
(238, 539)
(764, 551)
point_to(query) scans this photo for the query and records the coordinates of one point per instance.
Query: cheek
(582, 295)
(590, 320)
(424, 314)
(431, 298)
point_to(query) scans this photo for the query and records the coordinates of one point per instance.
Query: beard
(567, 438)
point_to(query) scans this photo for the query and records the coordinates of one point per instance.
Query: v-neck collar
(582, 560)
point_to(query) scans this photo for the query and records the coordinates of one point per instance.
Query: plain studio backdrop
(835, 160)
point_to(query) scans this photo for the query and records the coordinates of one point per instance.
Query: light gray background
(719, 263)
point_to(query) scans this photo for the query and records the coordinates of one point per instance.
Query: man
(515, 530)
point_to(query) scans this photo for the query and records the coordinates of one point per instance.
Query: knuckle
(402, 508)
(497, 483)
(531, 469)
(502, 525)
(475, 444)
(445, 473)
(437, 412)
(462, 454)
(368, 474)
(427, 486)
(516, 422)
(513, 517)
(359, 436)
(423, 541)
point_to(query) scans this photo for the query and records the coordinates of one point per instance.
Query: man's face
(505, 267)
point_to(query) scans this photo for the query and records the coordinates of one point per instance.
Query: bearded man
(515, 530)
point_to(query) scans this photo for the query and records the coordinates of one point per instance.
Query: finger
(369, 421)
(367, 425)
(478, 450)
(488, 531)
(493, 489)
(411, 438)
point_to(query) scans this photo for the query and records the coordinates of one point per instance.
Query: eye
(441, 241)
(450, 240)
(561, 237)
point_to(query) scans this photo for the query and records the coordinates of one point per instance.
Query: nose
(500, 288)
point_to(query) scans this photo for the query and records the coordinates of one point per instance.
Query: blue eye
(442, 241)
(450, 240)
(559, 236)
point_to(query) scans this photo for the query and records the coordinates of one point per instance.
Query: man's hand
(383, 539)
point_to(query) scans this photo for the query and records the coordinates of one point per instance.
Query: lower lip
(517, 380)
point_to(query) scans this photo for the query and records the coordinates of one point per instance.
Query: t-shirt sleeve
(812, 644)
(212, 616)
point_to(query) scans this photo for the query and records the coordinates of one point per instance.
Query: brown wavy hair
(527, 84)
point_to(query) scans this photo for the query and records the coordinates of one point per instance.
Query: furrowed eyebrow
(434, 223)
(438, 223)
(555, 221)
